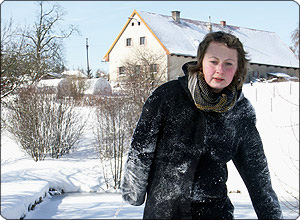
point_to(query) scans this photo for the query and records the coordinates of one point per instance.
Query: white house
(178, 39)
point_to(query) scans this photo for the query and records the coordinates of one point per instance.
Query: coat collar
(183, 80)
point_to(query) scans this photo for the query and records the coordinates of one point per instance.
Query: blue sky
(101, 21)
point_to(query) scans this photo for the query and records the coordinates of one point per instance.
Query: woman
(188, 130)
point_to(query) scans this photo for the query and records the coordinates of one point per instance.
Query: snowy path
(109, 206)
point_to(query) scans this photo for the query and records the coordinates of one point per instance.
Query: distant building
(178, 39)
(74, 74)
(281, 77)
(52, 75)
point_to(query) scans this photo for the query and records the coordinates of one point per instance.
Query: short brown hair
(230, 41)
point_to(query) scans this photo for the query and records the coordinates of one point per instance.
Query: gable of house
(131, 21)
(135, 35)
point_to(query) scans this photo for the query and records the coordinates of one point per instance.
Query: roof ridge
(205, 22)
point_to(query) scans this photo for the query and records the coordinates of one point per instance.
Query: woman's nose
(219, 68)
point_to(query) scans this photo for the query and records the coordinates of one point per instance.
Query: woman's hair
(230, 41)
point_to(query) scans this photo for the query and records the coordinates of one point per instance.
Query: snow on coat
(178, 156)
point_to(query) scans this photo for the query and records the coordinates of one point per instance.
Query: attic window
(128, 42)
(139, 23)
(132, 24)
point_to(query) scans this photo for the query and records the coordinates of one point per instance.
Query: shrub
(44, 125)
(113, 135)
(71, 87)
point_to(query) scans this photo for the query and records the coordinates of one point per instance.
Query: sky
(102, 21)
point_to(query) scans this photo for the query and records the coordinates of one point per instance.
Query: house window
(128, 42)
(153, 68)
(121, 70)
(132, 24)
(137, 69)
(139, 23)
(142, 40)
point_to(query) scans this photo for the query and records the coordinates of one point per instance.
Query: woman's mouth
(218, 79)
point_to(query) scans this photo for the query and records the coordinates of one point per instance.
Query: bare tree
(112, 137)
(100, 73)
(29, 53)
(15, 65)
(143, 71)
(117, 115)
(45, 39)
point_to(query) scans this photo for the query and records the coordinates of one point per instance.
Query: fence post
(271, 105)
(256, 94)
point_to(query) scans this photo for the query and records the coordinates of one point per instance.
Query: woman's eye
(214, 62)
(228, 64)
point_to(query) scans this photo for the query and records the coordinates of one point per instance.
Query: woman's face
(219, 66)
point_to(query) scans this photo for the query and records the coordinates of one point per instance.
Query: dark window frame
(128, 42)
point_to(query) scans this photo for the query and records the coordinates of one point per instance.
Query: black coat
(178, 156)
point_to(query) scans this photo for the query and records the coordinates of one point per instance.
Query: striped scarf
(208, 101)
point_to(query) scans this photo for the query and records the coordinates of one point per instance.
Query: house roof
(283, 75)
(263, 47)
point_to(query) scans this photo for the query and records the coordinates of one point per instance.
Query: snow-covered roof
(96, 86)
(74, 73)
(284, 75)
(56, 75)
(183, 37)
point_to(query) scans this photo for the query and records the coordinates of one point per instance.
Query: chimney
(223, 23)
(176, 16)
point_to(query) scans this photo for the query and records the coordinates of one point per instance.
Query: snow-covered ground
(110, 205)
(24, 182)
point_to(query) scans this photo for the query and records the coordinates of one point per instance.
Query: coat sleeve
(141, 153)
(251, 163)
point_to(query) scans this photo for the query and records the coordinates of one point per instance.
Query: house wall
(175, 65)
(260, 71)
(121, 53)
(254, 70)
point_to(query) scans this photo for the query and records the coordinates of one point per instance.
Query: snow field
(278, 124)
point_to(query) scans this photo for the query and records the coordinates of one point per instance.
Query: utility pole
(89, 74)
(209, 25)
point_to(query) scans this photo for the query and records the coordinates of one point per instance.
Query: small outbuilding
(281, 77)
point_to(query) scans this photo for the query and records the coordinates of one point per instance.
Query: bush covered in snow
(71, 87)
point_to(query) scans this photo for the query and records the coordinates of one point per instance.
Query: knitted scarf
(208, 101)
